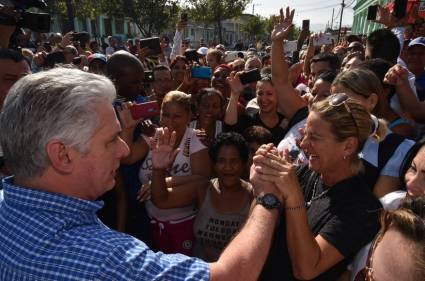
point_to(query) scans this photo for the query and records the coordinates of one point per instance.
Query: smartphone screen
(371, 12)
(250, 76)
(400, 8)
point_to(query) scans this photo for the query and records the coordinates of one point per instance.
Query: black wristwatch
(269, 201)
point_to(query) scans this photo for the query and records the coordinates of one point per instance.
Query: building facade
(360, 23)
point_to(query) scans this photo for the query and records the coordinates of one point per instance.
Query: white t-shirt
(390, 201)
(392, 168)
(189, 144)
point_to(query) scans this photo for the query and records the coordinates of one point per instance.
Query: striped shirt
(49, 236)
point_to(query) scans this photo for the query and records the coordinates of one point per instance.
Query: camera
(38, 22)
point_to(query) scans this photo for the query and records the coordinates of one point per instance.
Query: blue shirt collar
(25, 197)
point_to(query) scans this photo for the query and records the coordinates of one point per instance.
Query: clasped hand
(272, 172)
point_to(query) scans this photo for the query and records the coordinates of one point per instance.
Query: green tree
(214, 11)
(255, 27)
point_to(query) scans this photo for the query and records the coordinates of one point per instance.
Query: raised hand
(397, 76)
(163, 151)
(282, 25)
(235, 83)
(127, 121)
(385, 17)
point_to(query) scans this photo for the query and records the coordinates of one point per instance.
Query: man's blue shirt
(49, 236)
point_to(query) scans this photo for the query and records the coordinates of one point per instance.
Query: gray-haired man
(62, 142)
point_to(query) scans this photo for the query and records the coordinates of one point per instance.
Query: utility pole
(253, 7)
(340, 20)
(332, 20)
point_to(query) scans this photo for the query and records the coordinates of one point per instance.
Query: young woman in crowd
(329, 212)
(219, 79)
(210, 105)
(178, 69)
(267, 116)
(223, 202)
(172, 228)
(362, 83)
(413, 178)
(381, 158)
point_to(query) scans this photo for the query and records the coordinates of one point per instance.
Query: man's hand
(282, 25)
(67, 39)
(163, 151)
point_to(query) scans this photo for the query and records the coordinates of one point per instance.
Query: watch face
(269, 199)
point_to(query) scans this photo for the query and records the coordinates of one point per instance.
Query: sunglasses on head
(341, 99)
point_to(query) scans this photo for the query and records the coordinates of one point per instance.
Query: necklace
(315, 197)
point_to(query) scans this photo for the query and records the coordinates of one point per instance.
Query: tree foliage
(255, 27)
(150, 16)
(214, 11)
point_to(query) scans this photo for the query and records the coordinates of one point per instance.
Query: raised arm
(231, 115)
(289, 99)
(398, 76)
(177, 40)
(163, 156)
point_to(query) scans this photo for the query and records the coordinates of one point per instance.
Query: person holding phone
(267, 100)
(171, 228)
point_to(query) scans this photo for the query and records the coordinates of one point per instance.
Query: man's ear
(372, 101)
(60, 156)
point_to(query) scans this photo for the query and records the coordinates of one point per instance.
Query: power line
(319, 8)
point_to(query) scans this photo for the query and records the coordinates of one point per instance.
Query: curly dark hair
(229, 139)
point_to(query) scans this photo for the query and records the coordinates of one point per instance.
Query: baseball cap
(97, 56)
(417, 41)
(203, 51)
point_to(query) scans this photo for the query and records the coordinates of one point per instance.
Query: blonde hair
(179, 98)
(359, 123)
(362, 82)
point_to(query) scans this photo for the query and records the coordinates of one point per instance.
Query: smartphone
(148, 76)
(191, 55)
(371, 12)
(54, 58)
(202, 72)
(306, 25)
(400, 7)
(145, 110)
(153, 44)
(184, 17)
(250, 76)
(324, 39)
(37, 22)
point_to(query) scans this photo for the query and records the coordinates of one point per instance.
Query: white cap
(203, 51)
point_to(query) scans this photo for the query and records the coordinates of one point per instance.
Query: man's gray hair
(56, 104)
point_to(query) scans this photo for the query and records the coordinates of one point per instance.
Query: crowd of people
(261, 164)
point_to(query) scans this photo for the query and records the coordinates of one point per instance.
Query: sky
(318, 11)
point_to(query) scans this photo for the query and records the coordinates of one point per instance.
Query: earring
(345, 157)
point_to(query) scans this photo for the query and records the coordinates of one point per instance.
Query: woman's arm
(231, 115)
(289, 99)
(310, 255)
(398, 76)
(163, 156)
(200, 163)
